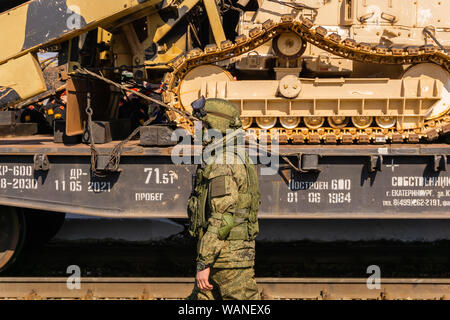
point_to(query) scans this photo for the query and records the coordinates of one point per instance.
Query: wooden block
(101, 132)
(7, 117)
(156, 136)
(19, 130)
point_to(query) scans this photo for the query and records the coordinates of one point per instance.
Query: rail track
(179, 288)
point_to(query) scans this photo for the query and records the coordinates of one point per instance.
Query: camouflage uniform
(226, 243)
(231, 261)
(230, 284)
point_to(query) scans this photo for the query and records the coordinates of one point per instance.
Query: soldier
(223, 213)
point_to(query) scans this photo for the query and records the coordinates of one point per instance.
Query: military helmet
(218, 114)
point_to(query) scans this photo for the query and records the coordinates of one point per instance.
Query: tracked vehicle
(336, 71)
(329, 71)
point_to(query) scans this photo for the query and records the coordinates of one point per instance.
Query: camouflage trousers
(229, 284)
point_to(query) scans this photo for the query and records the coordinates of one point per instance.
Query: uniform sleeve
(221, 201)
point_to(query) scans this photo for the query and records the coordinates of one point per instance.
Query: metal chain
(114, 156)
(94, 152)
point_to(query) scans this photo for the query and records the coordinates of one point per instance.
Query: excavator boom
(39, 24)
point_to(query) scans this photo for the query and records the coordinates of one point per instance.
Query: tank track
(331, 43)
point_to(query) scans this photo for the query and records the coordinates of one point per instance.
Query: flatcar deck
(333, 182)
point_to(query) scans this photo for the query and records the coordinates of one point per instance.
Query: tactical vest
(242, 224)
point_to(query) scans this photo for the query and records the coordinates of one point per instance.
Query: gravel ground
(175, 256)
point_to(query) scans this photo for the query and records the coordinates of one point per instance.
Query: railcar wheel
(289, 122)
(12, 235)
(266, 122)
(314, 122)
